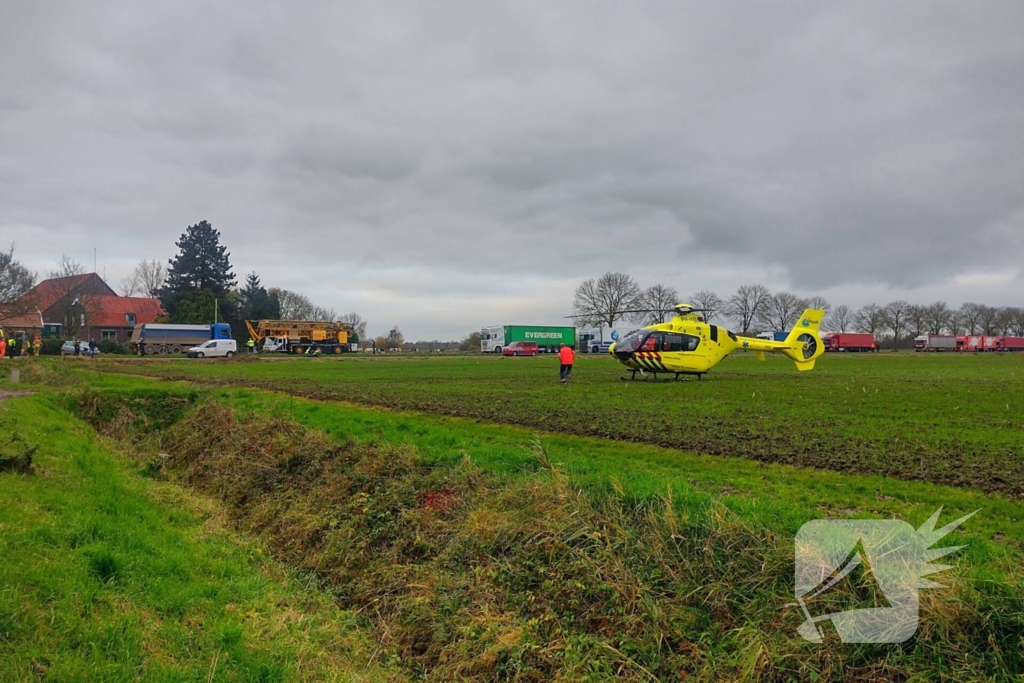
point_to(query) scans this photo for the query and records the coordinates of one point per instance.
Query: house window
(108, 335)
(129, 319)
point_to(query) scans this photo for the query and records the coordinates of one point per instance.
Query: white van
(214, 348)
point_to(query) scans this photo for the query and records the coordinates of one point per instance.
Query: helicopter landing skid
(632, 377)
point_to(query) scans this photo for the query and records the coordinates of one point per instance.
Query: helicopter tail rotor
(803, 345)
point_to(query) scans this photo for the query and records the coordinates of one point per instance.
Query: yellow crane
(297, 336)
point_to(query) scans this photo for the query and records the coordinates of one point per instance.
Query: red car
(521, 348)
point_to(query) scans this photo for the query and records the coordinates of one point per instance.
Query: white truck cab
(596, 339)
(214, 348)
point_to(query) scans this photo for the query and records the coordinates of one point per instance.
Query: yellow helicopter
(688, 345)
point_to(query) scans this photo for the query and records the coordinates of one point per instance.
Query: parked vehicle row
(156, 338)
(970, 342)
(548, 339)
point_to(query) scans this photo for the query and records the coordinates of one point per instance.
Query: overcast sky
(443, 166)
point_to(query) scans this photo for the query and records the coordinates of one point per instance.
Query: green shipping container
(544, 336)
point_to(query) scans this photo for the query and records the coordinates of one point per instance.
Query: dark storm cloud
(816, 145)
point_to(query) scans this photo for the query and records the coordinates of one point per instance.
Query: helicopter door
(672, 342)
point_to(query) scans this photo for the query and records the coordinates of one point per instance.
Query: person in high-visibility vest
(37, 346)
(3, 347)
(12, 346)
(566, 356)
(252, 345)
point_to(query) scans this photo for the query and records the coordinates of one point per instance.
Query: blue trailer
(158, 338)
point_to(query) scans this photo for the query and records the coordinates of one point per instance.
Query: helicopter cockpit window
(629, 343)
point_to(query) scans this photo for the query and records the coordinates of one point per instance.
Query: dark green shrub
(111, 346)
(51, 346)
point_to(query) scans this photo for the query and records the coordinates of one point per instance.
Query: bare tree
(295, 306)
(895, 316)
(15, 280)
(358, 324)
(917, 319)
(970, 316)
(937, 317)
(395, 339)
(146, 280)
(604, 301)
(840, 318)
(130, 285)
(780, 311)
(659, 301)
(955, 322)
(1004, 320)
(1017, 324)
(323, 314)
(74, 301)
(819, 302)
(870, 318)
(709, 301)
(988, 320)
(745, 304)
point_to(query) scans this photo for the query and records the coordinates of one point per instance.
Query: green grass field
(955, 419)
(631, 558)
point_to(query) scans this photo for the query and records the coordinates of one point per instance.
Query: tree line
(201, 274)
(194, 286)
(754, 308)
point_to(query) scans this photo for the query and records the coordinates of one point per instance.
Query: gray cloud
(485, 157)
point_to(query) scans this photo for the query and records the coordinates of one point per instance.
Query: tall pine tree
(202, 263)
(257, 304)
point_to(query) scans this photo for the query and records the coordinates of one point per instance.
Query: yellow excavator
(300, 336)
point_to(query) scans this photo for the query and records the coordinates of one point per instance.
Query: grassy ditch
(479, 574)
(110, 576)
(953, 419)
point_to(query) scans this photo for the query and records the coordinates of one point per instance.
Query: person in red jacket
(565, 356)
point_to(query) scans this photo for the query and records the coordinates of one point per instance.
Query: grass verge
(110, 576)
(477, 568)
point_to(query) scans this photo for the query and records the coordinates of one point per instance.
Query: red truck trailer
(1009, 343)
(849, 341)
(977, 342)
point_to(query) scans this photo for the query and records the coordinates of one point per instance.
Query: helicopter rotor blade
(650, 310)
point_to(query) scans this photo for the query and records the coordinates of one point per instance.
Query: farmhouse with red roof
(80, 306)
